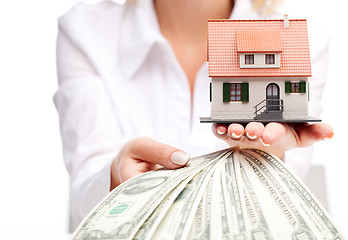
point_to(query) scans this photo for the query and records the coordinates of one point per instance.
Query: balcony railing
(269, 105)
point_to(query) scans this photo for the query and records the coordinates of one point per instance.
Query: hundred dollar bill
(280, 211)
(232, 193)
(311, 209)
(216, 231)
(125, 209)
(200, 226)
(178, 220)
(258, 226)
(207, 222)
(148, 228)
(229, 194)
(150, 225)
(225, 234)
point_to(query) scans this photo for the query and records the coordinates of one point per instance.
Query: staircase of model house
(269, 109)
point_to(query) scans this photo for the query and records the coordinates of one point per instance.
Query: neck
(184, 24)
(186, 20)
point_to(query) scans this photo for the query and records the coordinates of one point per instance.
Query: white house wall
(295, 104)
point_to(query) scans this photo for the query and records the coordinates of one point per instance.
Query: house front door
(272, 97)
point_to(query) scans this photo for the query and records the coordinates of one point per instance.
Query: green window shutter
(211, 94)
(308, 90)
(302, 87)
(227, 92)
(245, 92)
(287, 87)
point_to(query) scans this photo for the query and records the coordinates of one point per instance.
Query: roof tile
(249, 41)
(228, 37)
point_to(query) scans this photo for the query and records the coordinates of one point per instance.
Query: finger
(219, 130)
(254, 130)
(311, 133)
(235, 131)
(132, 167)
(149, 150)
(273, 132)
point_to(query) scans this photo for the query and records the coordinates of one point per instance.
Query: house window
(236, 92)
(249, 59)
(295, 87)
(270, 59)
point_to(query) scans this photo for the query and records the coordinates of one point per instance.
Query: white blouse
(119, 80)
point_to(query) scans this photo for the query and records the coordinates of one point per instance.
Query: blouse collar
(140, 31)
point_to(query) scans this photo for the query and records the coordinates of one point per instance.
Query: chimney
(286, 21)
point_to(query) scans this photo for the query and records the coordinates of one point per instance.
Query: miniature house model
(259, 70)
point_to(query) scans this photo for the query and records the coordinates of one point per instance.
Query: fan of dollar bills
(230, 194)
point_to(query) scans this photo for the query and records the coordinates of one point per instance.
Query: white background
(33, 179)
(331, 17)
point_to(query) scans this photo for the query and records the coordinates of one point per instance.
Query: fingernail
(265, 144)
(329, 137)
(251, 137)
(235, 136)
(221, 132)
(179, 158)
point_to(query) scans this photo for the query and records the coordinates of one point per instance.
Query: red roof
(227, 38)
(267, 41)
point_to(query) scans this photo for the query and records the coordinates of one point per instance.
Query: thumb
(311, 133)
(149, 150)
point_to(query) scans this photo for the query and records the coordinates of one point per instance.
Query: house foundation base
(229, 121)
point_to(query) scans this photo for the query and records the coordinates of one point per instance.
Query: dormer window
(259, 48)
(270, 59)
(259, 60)
(249, 59)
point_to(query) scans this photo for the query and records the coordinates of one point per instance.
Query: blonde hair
(266, 7)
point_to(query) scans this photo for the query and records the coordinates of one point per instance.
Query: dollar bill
(207, 222)
(258, 226)
(200, 228)
(150, 225)
(178, 220)
(215, 221)
(276, 201)
(311, 209)
(232, 189)
(148, 228)
(126, 208)
(229, 194)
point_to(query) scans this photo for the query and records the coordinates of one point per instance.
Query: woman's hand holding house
(274, 137)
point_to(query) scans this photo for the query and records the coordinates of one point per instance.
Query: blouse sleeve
(89, 128)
